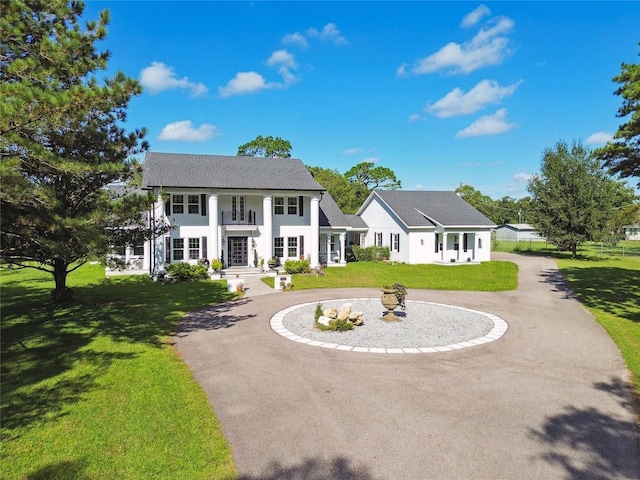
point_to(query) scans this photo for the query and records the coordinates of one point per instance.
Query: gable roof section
(330, 213)
(518, 227)
(426, 208)
(219, 171)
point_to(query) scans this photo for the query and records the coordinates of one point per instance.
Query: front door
(238, 255)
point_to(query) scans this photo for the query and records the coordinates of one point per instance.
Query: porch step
(231, 272)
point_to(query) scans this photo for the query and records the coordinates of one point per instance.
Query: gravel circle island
(425, 327)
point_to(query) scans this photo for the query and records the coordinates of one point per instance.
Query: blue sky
(442, 93)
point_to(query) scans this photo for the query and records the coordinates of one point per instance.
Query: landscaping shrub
(297, 266)
(370, 254)
(183, 272)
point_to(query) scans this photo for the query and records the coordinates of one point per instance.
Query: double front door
(237, 251)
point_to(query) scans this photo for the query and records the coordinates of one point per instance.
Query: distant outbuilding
(518, 232)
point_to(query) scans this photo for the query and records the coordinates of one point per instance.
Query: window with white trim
(292, 244)
(292, 205)
(378, 239)
(395, 242)
(278, 205)
(194, 248)
(193, 204)
(278, 247)
(138, 250)
(178, 249)
(177, 203)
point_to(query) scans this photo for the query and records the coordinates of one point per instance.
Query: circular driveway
(550, 399)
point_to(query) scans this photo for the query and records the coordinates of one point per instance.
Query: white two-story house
(239, 210)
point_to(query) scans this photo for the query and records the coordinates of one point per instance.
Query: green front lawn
(92, 390)
(486, 277)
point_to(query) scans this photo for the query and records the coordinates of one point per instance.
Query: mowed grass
(610, 289)
(92, 389)
(605, 283)
(487, 277)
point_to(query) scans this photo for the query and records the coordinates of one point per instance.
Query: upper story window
(177, 203)
(292, 205)
(194, 203)
(278, 205)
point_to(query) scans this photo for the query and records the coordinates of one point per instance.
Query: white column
(444, 246)
(158, 251)
(267, 244)
(343, 238)
(315, 231)
(213, 242)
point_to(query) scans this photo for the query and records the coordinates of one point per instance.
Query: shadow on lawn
(47, 358)
(610, 289)
(69, 470)
(599, 445)
(314, 469)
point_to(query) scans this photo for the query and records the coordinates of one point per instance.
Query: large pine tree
(62, 140)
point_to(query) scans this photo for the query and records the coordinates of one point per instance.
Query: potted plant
(272, 262)
(240, 287)
(392, 297)
(216, 265)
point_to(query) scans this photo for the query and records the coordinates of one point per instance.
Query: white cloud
(487, 125)
(285, 62)
(352, 151)
(184, 131)
(244, 83)
(158, 77)
(371, 159)
(456, 102)
(599, 138)
(296, 39)
(522, 177)
(418, 186)
(329, 33)
(488, 47)
(416, 117)
(473, 17)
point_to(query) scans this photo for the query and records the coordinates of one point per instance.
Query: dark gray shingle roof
(330, 213)
(356, 221)
(415, 208)
(219, 171)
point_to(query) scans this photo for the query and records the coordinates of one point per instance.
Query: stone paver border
(498, 330)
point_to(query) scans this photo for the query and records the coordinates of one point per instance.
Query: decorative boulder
(332, 313)
(345, 310)
(357, 318)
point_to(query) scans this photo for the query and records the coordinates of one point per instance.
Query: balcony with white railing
(229, 217)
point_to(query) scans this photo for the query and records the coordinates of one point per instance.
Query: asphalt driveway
(548, 400)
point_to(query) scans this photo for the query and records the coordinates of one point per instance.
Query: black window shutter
(167, 207)
(300, 205)
(301, 245)
(167, 250)
(437, 241)
(391, 241)
(465, 239)
(205, 254)
(203, 205)
(398, 237)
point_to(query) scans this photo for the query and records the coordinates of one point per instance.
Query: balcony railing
(229, 217)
